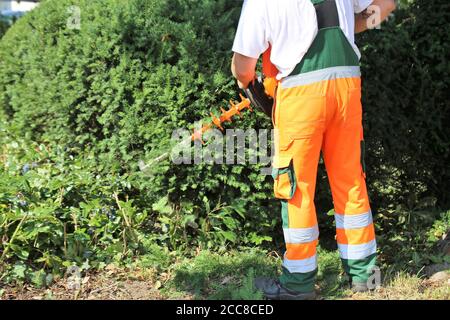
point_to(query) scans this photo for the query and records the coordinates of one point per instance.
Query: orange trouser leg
(323, 115)
(299, 119)
(342, 154)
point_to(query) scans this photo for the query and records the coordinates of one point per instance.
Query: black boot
(273, 290)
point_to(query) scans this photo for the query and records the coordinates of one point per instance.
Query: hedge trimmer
(260, 93)
(225, 116)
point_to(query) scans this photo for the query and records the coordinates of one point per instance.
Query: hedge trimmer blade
(225, 116)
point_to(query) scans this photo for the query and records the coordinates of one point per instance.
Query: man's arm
(364, 20)
(243, 69)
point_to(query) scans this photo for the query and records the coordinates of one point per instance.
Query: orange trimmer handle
(268, 68)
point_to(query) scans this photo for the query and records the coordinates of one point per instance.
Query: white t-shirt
(290, 26)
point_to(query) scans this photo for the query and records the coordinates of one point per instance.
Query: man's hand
(243, 69)
(374, 15)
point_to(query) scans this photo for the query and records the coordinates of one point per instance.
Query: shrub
(111, 93)
(405, 84)
(117, 88)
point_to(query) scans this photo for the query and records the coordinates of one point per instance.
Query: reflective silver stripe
(320, 75)
(353, 221)
(357, 251)
(303, 266)
(301, 235)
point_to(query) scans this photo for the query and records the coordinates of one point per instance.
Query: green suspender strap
(330, 48)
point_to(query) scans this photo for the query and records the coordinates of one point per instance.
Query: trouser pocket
(284, 179)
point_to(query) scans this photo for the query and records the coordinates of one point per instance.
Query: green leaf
(19, 251)
(231, 236)
(19, 271)
(162, 206)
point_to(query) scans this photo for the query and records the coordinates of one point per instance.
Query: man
(317, 109)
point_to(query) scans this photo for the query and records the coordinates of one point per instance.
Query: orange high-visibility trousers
(322, 116)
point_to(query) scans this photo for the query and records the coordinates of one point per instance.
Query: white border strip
(302, 266)
(357, 251)
(301, 235)
(320, 75)
(353, 221)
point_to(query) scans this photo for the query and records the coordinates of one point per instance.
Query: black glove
(255, 92)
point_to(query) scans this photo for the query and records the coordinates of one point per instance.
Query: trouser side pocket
(284, 179)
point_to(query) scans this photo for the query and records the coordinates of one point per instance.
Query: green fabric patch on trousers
(284, 214)
(359, 270)
(284, 203)
(276, 172)
(299, 282)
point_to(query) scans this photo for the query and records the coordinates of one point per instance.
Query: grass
(167, 275)
(223, 276)
(409, 287)
(230, 276)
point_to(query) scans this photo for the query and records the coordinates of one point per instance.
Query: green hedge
(136, 70)
(120, 85)
(406, 102)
